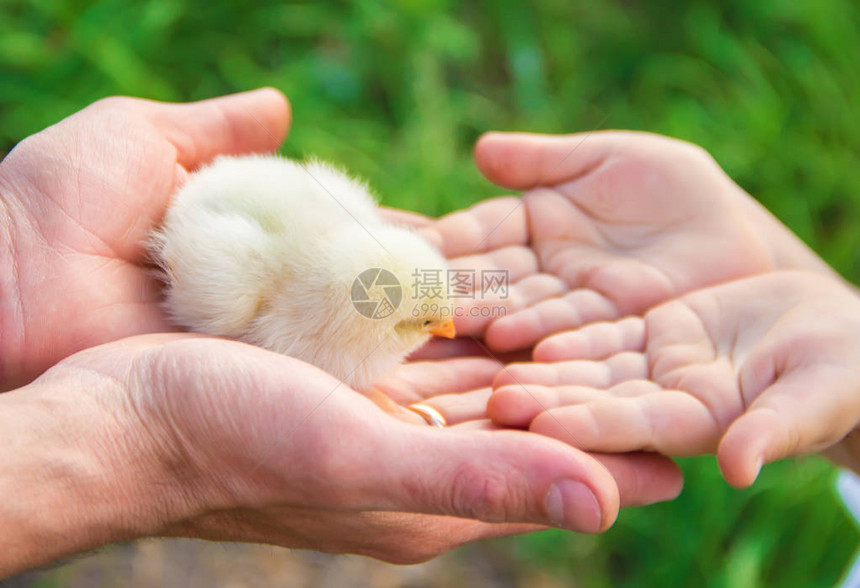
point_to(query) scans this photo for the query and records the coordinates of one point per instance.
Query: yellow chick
(296, 258)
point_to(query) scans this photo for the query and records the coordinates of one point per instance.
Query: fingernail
(572, 505)
(758, 465)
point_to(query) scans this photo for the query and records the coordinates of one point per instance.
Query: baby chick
(295, 257)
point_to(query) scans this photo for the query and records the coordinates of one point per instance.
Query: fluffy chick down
(266, 249)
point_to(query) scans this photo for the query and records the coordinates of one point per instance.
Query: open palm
(80, 199)
(612, 223)
(760, 368)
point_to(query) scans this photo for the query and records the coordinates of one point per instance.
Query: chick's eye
(426, 323)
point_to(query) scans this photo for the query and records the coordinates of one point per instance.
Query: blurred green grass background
(398, 92)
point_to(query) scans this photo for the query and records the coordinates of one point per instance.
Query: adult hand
(77, 201)
(185, 435)
(612, 223)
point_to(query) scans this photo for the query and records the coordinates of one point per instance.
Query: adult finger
(513, 476)
(420, 380)
(249, 122)
(495, 476)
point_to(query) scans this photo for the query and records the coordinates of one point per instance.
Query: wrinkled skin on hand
(220, 440)
(79, 200)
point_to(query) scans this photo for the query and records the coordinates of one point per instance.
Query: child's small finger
(517, 406)
(596, 374)
(597, 341)
(527, 326)
(490, 224)
(669, 422)
(497, 299)
(509, 264)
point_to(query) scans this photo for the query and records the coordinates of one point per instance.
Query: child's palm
(757, 370)
(613, 223)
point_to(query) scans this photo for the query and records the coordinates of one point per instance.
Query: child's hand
(756, 370)
(612, 223)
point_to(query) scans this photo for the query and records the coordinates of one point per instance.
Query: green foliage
(398, 92)
(785, 531)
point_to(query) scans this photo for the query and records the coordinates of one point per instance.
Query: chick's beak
(446, 330)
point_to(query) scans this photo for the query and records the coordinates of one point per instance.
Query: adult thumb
(248, 122)
(494, 476)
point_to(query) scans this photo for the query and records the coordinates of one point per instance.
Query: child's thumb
(803, 412)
